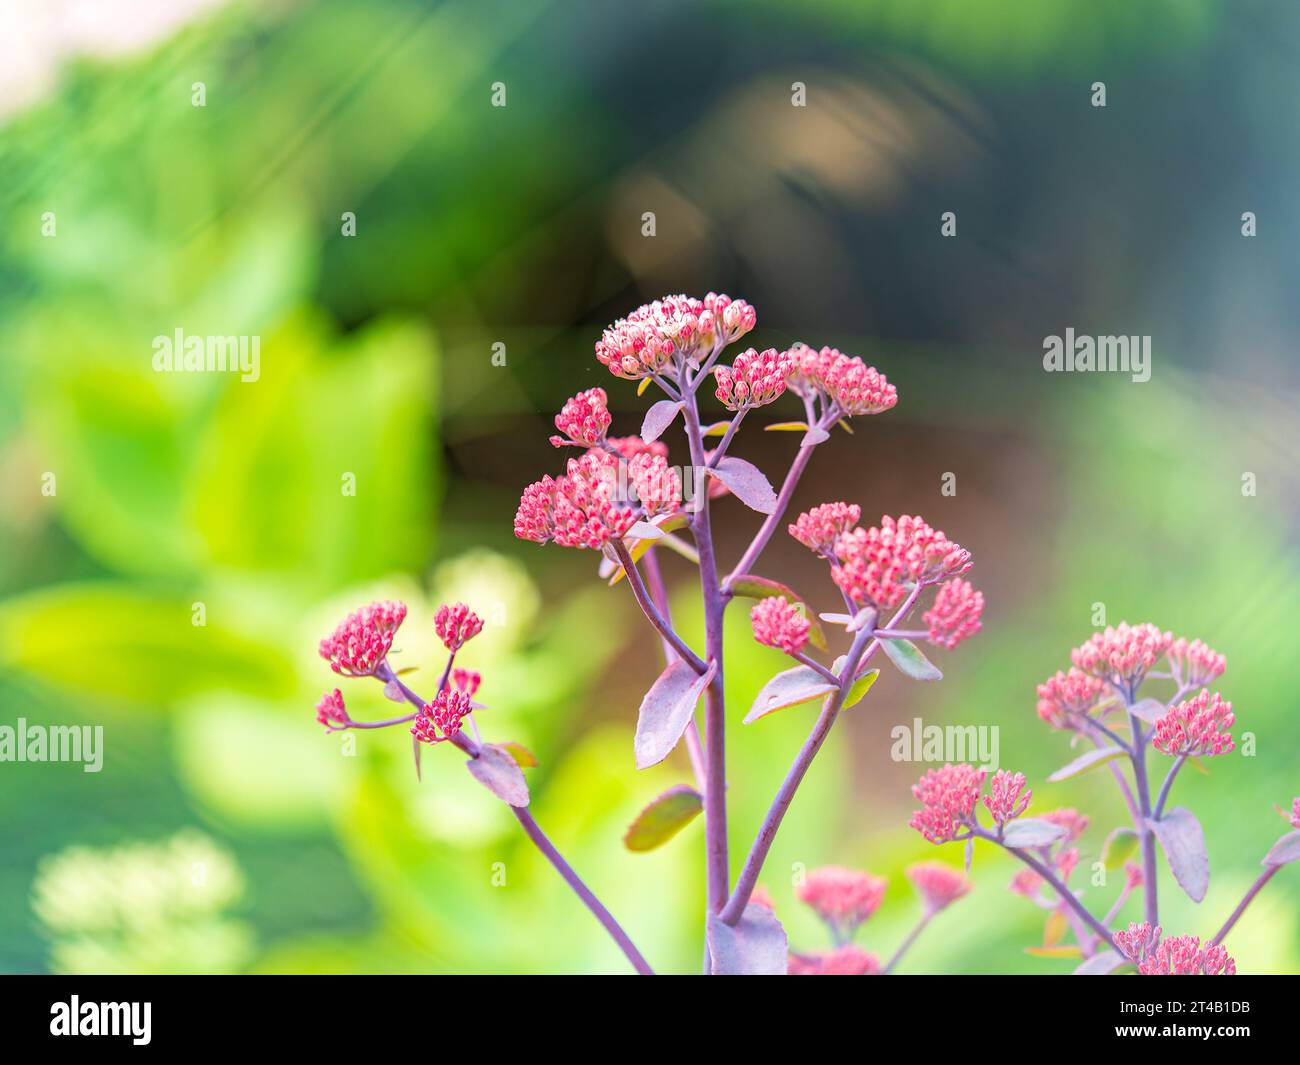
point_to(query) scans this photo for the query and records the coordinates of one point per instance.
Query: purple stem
(535, 833)
(904, 946)
(1163, 797)
(659, 594)
(815, 666)
(715, 715)
(1247, 899)
(651, 611)
(1138, 755)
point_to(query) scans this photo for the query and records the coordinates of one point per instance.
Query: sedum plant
(900, 582)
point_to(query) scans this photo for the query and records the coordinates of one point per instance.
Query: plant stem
(815, 666)
(1067, 896)
(1247, 899)
(715, 751)
(659, 594)
(774, 519)
(651, 611)
(1169, 783)
(594, 904)
(535, 833)
(907, 942)
(860, 652)
(1138, 755)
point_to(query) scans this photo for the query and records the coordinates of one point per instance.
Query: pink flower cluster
(673, 328)
(778, 623)
(948, 797)
(819, 528)
(578, 509)
(847, 381)
(1066, 697)
(466, 680)
(1122, 655)
(955, 614)
(456, 625)
(842, 961)
(359, 645)
(939, 885)
(440, 720)
(1176, 956)
(1194, 664)
(843, 898)
(1069, 819)
(583, 420)
(658, 487)
(331, 712)
(1196, 726)
(753, 379)
(878, 565)
(1295, 813)
(1007, 799)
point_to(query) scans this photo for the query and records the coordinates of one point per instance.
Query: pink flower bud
(1069, 819)
(456, 625)
(466, 680)
(440, 720)
(955, 613)
(1067, 861)
(1193, 664)
(939, 885)
(1026, 883)
(1066, 697)
(1196, 726)
(579, 509)
(819, 528)
(583, 420)
(948, 797)
(1122, 655)
(843, 961)
(1132, 876)
(629, 447)
(1005, 800)
(1295, 813)
(849, 383)
(358, 646)
(331, 712)
(657, 485)
(753, 379)
(671, 330)
(779, 623)
(1184, 956)
(843, 898)
(1137, 941)
(877, 566)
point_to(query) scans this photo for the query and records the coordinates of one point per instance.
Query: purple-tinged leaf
(643, 530)
(814, 436)
(524, 758)
(790, 688)
(908, 658)
(1284, 851)
(393, 690)
(658, 418)
(836, 619)
(863, 619)
(666, 710)
(755, 946)
(1149, 710)
(1183, 842)
(754, 587)
(663, 818)
(747, 483)
(497, 771)
(970, 852)
(1087, 760)
(1031, 832)
(1101, 964)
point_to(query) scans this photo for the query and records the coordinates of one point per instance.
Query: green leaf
(663, 818)
(1118, 848)
(908, 658)
(1068, 950)
(1087, 760)
(752, 586)
(716, 429)
(860, 688)
(786, 427)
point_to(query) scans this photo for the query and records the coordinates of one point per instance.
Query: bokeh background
(225, 832)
